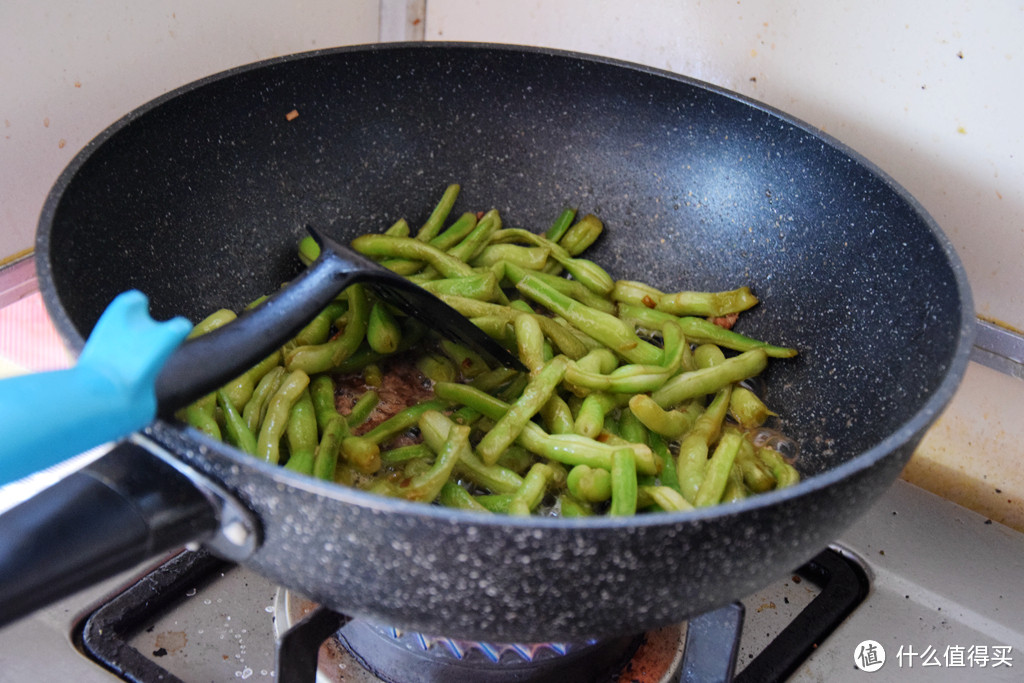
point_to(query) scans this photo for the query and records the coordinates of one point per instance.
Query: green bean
(631, 429)
(401, 421)
(693, 450)
(399, 228)
(593, 276)
(437, 368)
(362, 454)
(427, 486)
(454, 233)
(318, 330)
(699, 330)
(561, 225)
(201, 414)
(603, 327)
(498, 503)
(480, 286)
(237, 432)
(301, 435)
(747, 408)
(454, 496)
(593, 485)
(469, 363)
(278, 411)
(362, 408)
(559, 335)
(599, 361)
(497, 328)
(669, 476)
(530, 341)
(581, 235)
(509, 425)
(435, 428)
(382, 331)
(568, 449)
(590, 418)
(570, 288)
(669, 423)
(569, 506)
(708, 304)
(466, 250)
(531, 258)
(332, 425)
(309, 250)
(705, 381)
(630, 379)
(373, 376)
(493, 380)
(217, 319)
(443, 241)
(784, 473)
(439, 215)
(757, 476)
(624, 484)
(402, 454)
(383, 246)
(531, 493)
(665, 498)
(327, 356)
(240, 389)
(719, 467)
(708, 356)
(735, 488)
(255, 408)
(516, 458)
(557, 416)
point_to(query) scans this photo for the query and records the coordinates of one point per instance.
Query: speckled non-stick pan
(199, 198)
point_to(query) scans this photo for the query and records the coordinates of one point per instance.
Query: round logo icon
(869, 656)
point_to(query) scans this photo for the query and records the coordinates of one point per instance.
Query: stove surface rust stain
(171, 641)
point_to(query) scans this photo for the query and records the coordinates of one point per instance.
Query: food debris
(726, 321)
(292, 115)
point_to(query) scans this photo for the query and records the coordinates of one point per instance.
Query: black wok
(199, 198)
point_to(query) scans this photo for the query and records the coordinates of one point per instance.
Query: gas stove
(918, 589)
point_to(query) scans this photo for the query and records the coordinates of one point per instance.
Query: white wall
(70, 68)
(928, 90)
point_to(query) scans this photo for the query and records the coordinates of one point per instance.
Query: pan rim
(906, 433)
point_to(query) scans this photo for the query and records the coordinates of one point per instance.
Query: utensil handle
(206, 363)
(124, 508)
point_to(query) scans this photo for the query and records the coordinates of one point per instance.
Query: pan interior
(199, 200)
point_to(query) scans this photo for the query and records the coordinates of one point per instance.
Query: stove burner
(712, 639)
(398, 657)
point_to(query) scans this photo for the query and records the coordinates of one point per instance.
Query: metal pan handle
(134, 503)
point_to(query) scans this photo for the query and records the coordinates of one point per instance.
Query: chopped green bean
(237, 432)
(509, 425)
(278, 411)
(561, 225)
(301, 435)
(624, 484)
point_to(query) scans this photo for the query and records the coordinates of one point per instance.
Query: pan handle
(134, 503)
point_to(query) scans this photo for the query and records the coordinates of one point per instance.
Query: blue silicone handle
(48, 417)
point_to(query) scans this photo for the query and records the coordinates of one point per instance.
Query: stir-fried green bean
(632, 401)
